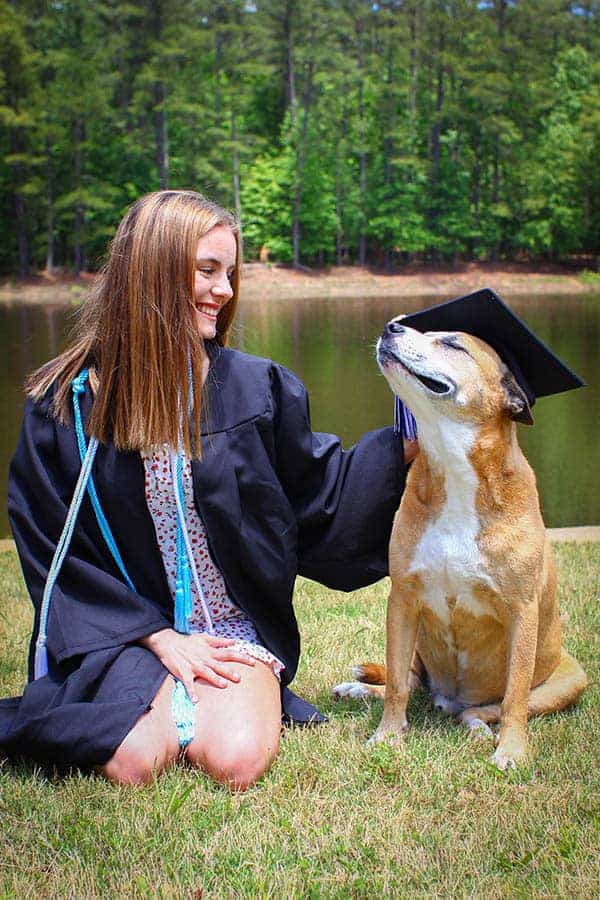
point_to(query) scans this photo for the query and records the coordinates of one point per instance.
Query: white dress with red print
(228, 619)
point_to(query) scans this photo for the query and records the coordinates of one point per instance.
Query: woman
(264, 497)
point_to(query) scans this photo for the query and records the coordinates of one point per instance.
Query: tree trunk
(49, 210)
(362, 156)
(79, 251)
(161, 125)
(289, 48)
(300, 155)
(218, 59)
(388, 145)
(235, 165)
(501, 11)
(162, 135)
(413, 72)
(339, 232)
(21, 228)
(19, 205)
(436, 129)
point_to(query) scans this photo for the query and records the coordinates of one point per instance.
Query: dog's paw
(388, 735)
(509, 757)
(503, 760)
(353, 689)
(478, 729)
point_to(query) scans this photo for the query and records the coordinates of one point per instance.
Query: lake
(330, 343)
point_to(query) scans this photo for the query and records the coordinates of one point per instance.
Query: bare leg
(238, 728)
(237, 733)
(151, 745)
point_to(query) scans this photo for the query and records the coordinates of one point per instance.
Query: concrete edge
(581, 534)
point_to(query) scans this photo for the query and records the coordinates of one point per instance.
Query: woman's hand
(411, 448)
(191, 656)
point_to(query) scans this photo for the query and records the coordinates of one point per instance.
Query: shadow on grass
(23, 768)
(421, 713)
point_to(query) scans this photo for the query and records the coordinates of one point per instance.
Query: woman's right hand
(192, 656)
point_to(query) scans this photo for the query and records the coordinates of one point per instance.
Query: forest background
(342, 131)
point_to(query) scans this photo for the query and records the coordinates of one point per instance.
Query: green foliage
(590, 277)
(376, 131)
(266, 190)
(555, 201)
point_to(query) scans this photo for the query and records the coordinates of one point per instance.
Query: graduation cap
(538, 371)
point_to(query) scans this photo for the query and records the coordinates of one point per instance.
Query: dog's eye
(450, 340)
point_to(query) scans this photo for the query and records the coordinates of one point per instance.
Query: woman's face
(216, 256)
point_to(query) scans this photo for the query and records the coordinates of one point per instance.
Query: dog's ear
(516, 403)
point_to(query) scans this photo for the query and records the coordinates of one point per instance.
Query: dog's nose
(394, 328)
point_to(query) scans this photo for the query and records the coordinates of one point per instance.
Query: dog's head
(449, 374)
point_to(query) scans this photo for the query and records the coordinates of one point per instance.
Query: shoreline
(263, 281)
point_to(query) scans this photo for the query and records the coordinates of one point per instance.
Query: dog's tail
(369, 673)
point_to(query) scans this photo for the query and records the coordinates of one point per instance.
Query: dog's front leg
(512, 739)
(401, 634)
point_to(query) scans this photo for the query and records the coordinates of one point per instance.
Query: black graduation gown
(276, 500)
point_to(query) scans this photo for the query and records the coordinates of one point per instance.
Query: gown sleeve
(344, 501)
(91, 608)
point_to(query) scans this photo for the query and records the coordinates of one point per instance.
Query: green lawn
(332, 819)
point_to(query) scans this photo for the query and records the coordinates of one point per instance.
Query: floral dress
(228, 619)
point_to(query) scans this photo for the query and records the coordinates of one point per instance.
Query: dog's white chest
(447, 558)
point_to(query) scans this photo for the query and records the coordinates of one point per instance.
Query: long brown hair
(137, 329)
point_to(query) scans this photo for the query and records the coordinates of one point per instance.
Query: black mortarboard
(538, 371)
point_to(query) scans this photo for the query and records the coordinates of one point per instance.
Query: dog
(472, 613)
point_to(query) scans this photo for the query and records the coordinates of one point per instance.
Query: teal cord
(78, 385)
(40, 659)
(183, 582)
(182, 708)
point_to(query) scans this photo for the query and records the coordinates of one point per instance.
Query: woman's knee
(237, 763)
(136, 762)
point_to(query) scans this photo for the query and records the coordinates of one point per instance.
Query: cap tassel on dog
(404, 421)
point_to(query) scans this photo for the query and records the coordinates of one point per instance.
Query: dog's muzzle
(387, 354)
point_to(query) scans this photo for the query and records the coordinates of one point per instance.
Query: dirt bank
(348, 281)
(352, 281)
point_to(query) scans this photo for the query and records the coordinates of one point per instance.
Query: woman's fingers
(230, 673)
(226, 655)
(218, 677)
(186, 676)
(214, 640)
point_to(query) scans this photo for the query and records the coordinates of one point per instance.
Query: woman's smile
(210, 310)
(216, 257)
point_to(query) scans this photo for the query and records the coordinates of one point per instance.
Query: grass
(331, 819)
(589, 277)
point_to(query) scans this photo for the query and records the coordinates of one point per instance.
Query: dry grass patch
(331, 819)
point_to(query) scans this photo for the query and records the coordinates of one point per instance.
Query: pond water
(329, 343)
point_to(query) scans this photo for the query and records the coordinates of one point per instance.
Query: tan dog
(473, 579)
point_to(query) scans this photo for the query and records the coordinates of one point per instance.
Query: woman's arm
(344, 500)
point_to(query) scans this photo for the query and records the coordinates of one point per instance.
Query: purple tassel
(404, 421)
